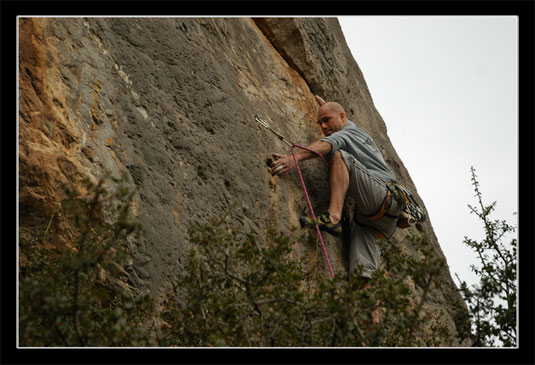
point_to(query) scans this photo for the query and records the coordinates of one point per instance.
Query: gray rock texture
(171, 101)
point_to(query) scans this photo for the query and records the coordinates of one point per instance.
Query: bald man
(356, 167)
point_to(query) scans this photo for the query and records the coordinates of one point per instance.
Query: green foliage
(492, 302)
(238, 291)
(64, 299)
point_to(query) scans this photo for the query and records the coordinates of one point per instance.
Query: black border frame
(524, 354)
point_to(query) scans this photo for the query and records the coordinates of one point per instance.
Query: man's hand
(319, 100)
(285, 163)
(282, 164)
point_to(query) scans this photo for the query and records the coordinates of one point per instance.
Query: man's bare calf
(339, 183)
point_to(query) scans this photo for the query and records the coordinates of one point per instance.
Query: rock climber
(356, 167)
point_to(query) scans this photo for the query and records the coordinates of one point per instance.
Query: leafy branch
(68, 298)
(493, 323)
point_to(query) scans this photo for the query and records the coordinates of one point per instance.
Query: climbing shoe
(324, 224)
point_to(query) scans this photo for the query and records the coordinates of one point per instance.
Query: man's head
(331, 118)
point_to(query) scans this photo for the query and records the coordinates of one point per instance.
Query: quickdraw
(265, 125)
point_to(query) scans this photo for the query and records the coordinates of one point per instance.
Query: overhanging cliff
(171, 101)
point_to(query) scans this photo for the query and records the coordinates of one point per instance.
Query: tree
(240, 291)
(492, 302)
(64, 297)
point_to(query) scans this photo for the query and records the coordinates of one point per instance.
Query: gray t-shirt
(358, 143)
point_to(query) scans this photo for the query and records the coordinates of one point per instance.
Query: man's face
(329, 121)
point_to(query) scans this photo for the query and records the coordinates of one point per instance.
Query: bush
(64, 297)
(492, 302)
(238, 291)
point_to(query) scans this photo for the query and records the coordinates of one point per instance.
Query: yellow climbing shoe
(324, 224)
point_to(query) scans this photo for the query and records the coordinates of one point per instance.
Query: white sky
(447, 89)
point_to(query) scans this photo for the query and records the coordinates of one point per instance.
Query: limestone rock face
(171, 102)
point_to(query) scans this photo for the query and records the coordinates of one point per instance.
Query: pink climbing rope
(308, 200)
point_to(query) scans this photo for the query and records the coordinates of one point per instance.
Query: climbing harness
(411, 213)
(292, 147)
(383, 210)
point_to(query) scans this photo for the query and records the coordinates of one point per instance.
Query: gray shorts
(368, 192)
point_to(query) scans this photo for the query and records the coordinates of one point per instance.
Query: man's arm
(286, 162)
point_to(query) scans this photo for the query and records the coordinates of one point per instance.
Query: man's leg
(339, 183)
(364, 251)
